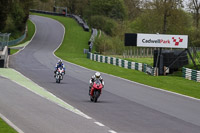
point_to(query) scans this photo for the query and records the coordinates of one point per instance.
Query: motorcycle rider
(59, 65)
(95, 77)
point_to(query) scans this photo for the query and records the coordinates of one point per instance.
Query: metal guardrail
(76, 17)
(16, 41)
(80, 21)
(46, 12)
(92, 39)
(13, 42)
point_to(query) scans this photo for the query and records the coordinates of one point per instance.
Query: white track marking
(111, 131)
(11, 124)
(99, 124)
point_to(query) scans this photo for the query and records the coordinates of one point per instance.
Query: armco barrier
(122, 63)
(13, 42)
(92, 38)
(191, 74)
(77, 18)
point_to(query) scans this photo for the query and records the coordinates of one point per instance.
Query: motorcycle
(59, 75)
(95, 91)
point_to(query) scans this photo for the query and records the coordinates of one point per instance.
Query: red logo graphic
(177, 41)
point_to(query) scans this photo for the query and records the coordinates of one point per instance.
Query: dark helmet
(60, 62)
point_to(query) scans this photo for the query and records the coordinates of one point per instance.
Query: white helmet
(97, 74)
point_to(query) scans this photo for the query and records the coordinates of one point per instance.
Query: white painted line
(99, 124)
(111, 131)
(11, 124)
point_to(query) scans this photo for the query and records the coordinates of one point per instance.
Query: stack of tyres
(168, 58)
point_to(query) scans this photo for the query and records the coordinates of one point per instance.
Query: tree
(114, 9)
(166, 8)
(194, 5)
(74, 6)
(4, 6)
(134, 8)
(162, 16)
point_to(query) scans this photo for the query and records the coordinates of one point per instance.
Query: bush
(106, 24)
(109, 45)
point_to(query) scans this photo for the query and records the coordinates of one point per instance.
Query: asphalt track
(31, 113)
(124, 106)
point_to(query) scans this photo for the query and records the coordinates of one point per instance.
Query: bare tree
(166, 7)
(134, 7)
(194, 5)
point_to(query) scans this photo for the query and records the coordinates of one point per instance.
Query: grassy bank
(30, 33)
(4, 128)
(72, 50)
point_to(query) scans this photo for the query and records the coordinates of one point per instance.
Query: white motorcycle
(59, 75)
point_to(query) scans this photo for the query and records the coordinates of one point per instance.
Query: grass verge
(72, 50)
(5, 128)
(30, 33)
(13, 51)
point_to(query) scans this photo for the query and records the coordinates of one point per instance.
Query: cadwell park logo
(156, 41)
(162, 41)
(177, 41)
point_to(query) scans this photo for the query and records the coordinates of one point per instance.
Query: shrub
(106, 24)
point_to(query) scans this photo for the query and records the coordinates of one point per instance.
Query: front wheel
(57, 79)
(91, 99)
(96, 96)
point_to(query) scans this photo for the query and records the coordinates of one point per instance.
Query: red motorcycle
(96, 91)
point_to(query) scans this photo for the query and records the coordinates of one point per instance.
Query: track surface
(124, 106)
(34, 114)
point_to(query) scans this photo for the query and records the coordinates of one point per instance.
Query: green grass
(30, 33)
(13, 51)
(72, 50)
(5, 128)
